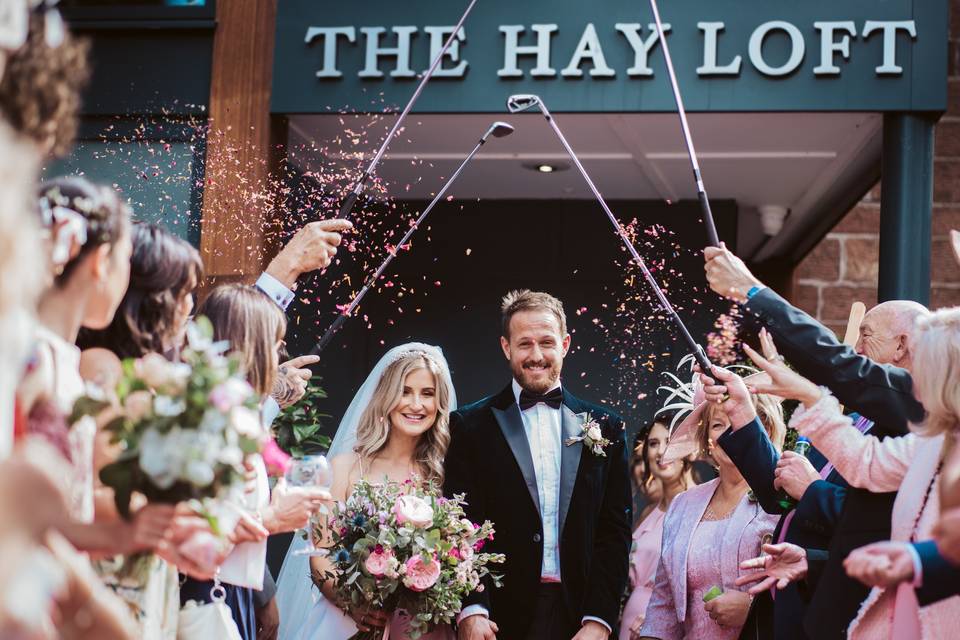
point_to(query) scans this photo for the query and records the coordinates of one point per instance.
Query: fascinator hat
(688, 402)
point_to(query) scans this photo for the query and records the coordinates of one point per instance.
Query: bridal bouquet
(405, 547)
(183, 428)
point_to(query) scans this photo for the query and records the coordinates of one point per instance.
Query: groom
(561, 510)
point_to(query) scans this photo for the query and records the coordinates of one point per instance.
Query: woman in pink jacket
(708, 531)
(910, 465)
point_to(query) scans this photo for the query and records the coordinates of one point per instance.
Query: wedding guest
(910, 465)
(708, 530)
(21, 271)
(85, 292)
(42, 80)
(646, 488)
(254, 328)
(674, 477)
(164, 273)
(873, 379)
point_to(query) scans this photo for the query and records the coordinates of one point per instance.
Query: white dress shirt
(275, 290)
(542, 425)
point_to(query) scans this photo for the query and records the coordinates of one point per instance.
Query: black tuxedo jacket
(489, 460)
(882, 393)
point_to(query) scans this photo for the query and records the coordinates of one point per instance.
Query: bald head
(886, 331)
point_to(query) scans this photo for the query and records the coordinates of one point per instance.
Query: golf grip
(328, 336)
(712, 237)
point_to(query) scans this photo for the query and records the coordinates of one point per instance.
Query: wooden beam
(238, 197)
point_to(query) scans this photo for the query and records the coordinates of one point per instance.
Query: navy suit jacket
(941, 579)
(816, 515)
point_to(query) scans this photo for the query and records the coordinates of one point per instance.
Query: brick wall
(844, 266)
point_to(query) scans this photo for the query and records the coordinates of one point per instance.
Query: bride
(397, 426)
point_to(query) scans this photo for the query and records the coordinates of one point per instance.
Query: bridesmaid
(708, 531)
(674, 477)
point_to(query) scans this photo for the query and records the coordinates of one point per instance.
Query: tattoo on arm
(284, 391)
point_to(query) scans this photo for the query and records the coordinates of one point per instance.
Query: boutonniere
(591, 436)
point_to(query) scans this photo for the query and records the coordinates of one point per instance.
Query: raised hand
(728, 389)
(794, 474)
(783, 563)
(727, 275)
(784, 381)
(881, 564)
(290, 508)
(312, 247)
(291, 382)
(729, 609)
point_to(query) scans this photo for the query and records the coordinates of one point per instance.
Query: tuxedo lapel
(511, 425)
(570, 423)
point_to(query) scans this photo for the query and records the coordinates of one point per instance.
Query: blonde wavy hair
(769, 410)
(936, 370)
(373, 431)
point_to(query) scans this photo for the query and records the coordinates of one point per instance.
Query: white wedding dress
(304, 613)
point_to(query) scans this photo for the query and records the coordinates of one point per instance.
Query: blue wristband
(753, 291)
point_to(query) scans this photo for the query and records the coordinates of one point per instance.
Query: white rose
(169, 407)
(156, 460)
(246, 423)
(594, 433)
(213, 422)
(199, 473)
(138, 405)
(160, 374)
(413, 510)
(231, 456)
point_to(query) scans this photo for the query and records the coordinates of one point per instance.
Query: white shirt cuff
(596, 619)
(275, 290)
(270, 411)
(917, 567)
(473, 610)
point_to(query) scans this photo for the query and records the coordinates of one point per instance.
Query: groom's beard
(539, 381)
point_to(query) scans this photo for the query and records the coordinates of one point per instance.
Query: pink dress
(703, 572)
(644, 557)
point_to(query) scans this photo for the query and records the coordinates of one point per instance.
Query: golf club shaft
(705, 210)
(371, 281)
(698, 351)
(347, 206)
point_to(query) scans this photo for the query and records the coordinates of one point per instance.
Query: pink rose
(275, 458)
(378, 562)
(414, 510)
(421, 575)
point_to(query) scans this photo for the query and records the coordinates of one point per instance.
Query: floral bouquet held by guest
(403, 547)
(184, 429)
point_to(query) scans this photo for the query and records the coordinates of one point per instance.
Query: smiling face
(416, 410)
(535, 348)
(656, 446)
(713, 423)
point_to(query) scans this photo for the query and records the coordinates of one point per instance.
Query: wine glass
(311, 471)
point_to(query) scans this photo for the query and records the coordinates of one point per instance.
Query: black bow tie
(552, 399)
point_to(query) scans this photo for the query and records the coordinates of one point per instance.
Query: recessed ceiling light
(546, 168)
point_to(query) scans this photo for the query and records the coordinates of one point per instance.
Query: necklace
(923, 504)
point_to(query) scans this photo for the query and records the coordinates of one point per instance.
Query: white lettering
(329, 37)
(438, 35)
(797, 48)
(371, 68)
(512, 51)
(641, 48)
(588, 49)
(890, 28)
(710, 66)
(829, 47)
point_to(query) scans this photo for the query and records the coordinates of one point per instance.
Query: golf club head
(522, 102)
(500, 129)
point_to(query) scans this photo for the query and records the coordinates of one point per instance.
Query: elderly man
(873, 380)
